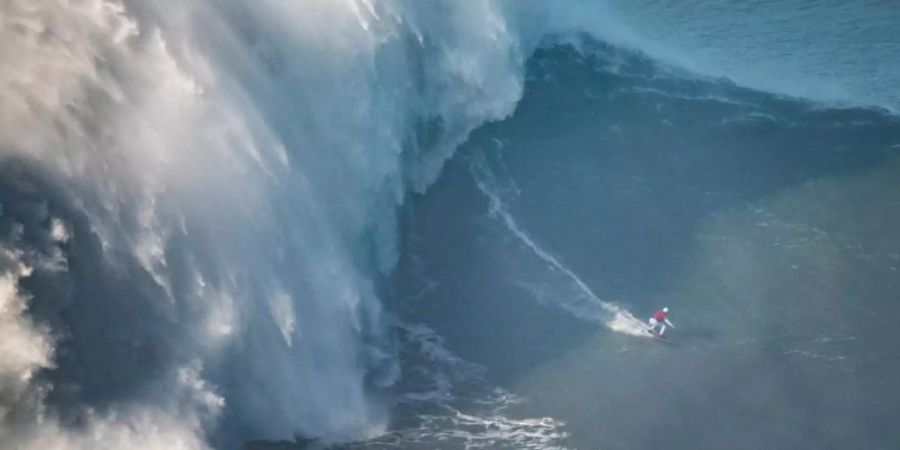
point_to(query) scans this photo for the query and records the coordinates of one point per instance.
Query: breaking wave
(198, 200)
(199, 203)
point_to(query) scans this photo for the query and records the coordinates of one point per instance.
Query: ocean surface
(441, 225)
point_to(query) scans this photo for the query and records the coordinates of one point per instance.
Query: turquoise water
(836, 51)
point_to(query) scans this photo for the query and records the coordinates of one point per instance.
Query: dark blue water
(767, 224)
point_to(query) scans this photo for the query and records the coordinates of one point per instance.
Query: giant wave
(199, 206)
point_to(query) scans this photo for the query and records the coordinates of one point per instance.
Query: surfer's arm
(669, 323)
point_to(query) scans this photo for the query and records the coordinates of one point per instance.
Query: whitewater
(198, 199)
(205, 208)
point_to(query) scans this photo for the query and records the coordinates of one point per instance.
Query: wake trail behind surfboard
(615, 317)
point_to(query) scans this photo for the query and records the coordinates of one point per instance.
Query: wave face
(767, 224)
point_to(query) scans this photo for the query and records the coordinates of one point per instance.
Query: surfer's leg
(662, 329)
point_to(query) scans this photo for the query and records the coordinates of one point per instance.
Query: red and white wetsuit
(660, 319)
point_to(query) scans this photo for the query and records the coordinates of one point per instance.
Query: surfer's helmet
(666, 309)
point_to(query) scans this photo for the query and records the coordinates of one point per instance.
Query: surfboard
(657, 337)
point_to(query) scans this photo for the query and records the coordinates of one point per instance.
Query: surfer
(660, 319)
